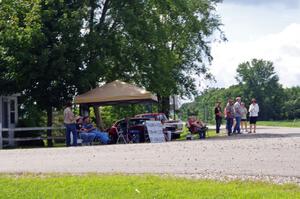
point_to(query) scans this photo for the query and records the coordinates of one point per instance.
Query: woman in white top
(244, 112)
(253, 113)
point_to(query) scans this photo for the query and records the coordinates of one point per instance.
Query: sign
(155, 131)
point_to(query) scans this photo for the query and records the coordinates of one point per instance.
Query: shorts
(244, 120)
(253, 120)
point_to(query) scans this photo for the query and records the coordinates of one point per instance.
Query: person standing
(70, 124)
(253, 114)
(218, 116)
(244, 118)
(237, 115)
(229, 116)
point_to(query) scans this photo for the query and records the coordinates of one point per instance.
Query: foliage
(257, 79)
(114, 113)
(291, 107)
(204, 104)
(72, 46)
(119, 186)
(284, 123)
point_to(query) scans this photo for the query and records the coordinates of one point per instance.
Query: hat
(85, 117)
(77, 118)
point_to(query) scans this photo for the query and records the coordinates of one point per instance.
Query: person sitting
(87, 138)
(197, 126)
(89, 128)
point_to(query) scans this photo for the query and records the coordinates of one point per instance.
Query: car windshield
(136, 122)
(160, 117)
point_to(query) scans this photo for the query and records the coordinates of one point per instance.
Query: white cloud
(282, 48)
(287, 3)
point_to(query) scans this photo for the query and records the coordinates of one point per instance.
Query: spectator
(218, 116)
(197, 126)
(89, 128)
(69, 122)
(229, 116)
(237, 115)
(86, 137)
(244, 118)
(253, 114)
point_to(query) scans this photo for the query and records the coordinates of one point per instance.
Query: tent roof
(115, 92)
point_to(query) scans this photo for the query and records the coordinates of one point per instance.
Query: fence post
(1, 140)
(11, 137)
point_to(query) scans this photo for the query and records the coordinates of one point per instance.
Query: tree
(155, 44)
(18, 22)
(69, 47)
(259, 80)
(44, 41)
(291, 107)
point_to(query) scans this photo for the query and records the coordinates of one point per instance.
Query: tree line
(256, 79)
(51, 50)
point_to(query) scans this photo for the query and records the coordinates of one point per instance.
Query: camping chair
(202, 131)
(122, 136)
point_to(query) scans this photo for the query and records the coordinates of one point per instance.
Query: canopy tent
(116, 92)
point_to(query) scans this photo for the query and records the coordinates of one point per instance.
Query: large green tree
(41, 42)
(156, 44)
(291, 107)
(51, 49)
(259, 80)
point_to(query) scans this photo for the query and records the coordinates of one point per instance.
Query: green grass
(120, 186)
(285, 123)
(209, 134)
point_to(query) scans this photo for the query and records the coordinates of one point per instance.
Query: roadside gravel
(272, 154)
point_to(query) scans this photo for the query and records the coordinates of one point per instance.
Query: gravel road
(272, 154)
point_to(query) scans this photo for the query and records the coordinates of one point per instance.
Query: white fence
(11, 131)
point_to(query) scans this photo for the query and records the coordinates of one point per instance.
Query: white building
(9, 111)
(9, 115)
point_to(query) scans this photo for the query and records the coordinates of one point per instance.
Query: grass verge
(285, 123)
(121, 186)
(209, 134)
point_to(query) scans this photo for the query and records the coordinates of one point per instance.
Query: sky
(264, 29)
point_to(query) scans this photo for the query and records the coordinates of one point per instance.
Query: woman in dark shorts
(253, 113)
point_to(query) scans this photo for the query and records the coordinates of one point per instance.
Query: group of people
(236, 114)
(83, 127)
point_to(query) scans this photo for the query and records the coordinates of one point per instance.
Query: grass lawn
(285, 123)
(209, 134)
(120, 186)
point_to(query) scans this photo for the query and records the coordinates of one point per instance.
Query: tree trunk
(98, 117)
(164, 105)
(83, 110)
(49, 124)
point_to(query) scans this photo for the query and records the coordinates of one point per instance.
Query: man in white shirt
(69, 121)
(253, 114)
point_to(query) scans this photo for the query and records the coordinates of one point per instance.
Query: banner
(155, 131)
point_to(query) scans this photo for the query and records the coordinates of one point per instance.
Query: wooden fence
(12, 139)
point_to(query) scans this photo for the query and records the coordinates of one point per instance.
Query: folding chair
(122, 136)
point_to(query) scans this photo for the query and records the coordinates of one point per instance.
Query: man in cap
(238, 115)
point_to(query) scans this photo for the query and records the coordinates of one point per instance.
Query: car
(129, 125)
(175, 126)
